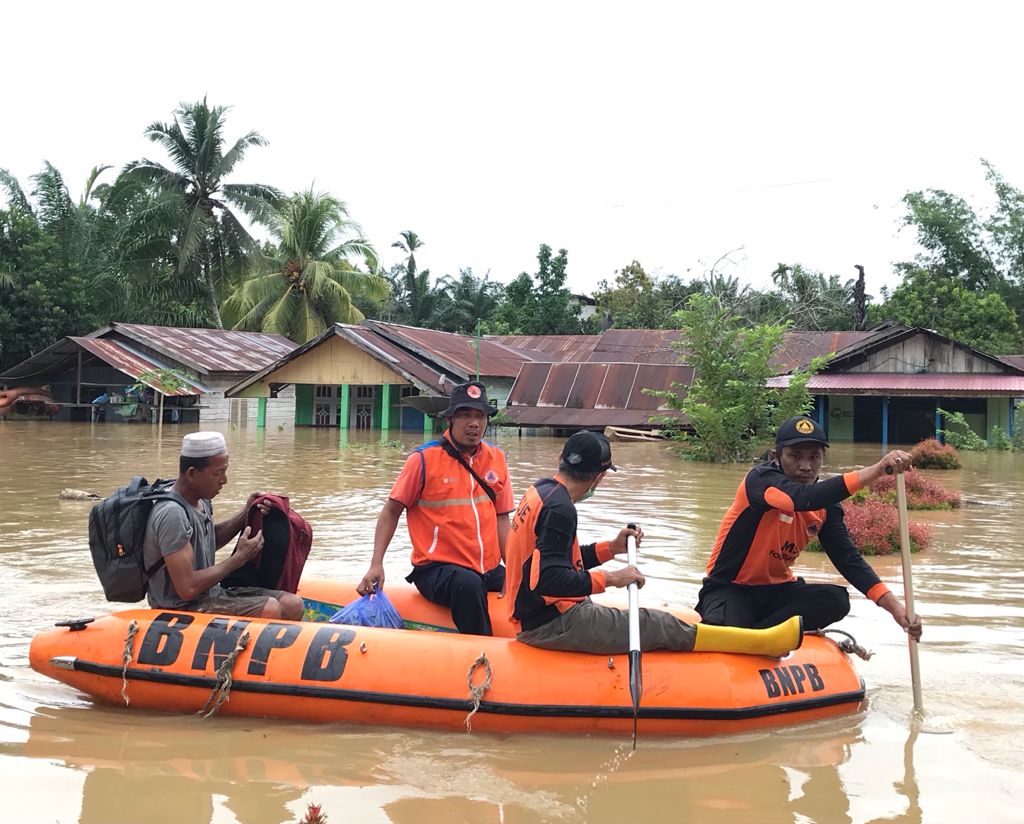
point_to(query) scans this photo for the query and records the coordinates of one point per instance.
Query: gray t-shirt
(167, 531)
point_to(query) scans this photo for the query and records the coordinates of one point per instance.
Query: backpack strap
(453, 452)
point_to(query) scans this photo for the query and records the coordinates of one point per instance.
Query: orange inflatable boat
(315, 671)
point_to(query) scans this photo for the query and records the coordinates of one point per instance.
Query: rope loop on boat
(222, 689)
(848, 645)
(133, 627)
(476, 691)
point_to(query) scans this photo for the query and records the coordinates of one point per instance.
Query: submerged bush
(959, 433)
(875, 528)
(930, 454)
(922, 492)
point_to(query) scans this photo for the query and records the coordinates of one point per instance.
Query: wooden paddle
(636, 676)
(908, 589)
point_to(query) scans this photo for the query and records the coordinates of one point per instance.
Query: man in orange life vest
(456, 495)
(549, 583)
(779, 507)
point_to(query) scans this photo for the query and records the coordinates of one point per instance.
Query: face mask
(588, 494)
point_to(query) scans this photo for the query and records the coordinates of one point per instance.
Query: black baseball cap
(471, 395)
(800, 429)
(588, 452)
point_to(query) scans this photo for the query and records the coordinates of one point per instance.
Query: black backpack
(117, 528)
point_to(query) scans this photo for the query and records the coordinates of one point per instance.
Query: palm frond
(15, 194)
(233, 156)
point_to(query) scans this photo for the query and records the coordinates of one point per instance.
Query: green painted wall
(840, 418)
(998, 415)
(304, 404)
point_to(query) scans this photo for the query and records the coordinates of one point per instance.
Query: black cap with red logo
(471, 395)
(800, 429)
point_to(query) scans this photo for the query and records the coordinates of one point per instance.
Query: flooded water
(64, 759)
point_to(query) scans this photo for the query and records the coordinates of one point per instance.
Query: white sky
(671, 133)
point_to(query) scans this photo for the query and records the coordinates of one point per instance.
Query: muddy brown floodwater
(64, 759)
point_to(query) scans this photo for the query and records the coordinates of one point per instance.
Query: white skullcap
(203, 445)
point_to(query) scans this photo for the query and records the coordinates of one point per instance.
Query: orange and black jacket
(546, 566)
(771, 521)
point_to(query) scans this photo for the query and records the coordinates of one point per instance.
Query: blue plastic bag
(374, 610)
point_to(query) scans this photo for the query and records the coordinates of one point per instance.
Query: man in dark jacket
(779, 507)
(551, 577)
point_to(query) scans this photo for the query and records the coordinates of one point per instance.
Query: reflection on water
(65, 760)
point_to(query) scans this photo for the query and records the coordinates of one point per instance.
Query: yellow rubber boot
(774, 641)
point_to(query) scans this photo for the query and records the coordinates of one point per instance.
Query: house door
(362, 407)
(325, 405)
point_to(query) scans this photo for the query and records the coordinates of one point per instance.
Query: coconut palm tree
(193, 199)
(417, 301)
(309, 282)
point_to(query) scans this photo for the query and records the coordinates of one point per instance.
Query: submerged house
(880, 385)
(114, 374)
(891, 384)
(378, 375)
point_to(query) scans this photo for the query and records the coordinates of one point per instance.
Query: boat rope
(222, 689)
(848, 645)
(133, 627)
(476, 691)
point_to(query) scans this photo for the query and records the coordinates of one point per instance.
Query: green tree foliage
(732, 411)
(48, 266)
(191, 203)
(979, 319)
(465, 300)
(952, 237)
(637, 300)
(308, 284)
(417, 301)
(971, 263)
(813, 301)
(541, 304)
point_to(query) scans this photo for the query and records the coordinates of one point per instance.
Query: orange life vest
(454, 521)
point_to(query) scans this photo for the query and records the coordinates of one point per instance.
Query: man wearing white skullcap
(187, 539)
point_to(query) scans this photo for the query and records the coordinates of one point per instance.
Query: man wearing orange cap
(182, 540)
(779, 507)
(456, 495)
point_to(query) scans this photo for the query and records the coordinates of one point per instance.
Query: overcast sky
(670, 133)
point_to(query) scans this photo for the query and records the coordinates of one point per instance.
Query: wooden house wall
(922, 353)
(334, 363)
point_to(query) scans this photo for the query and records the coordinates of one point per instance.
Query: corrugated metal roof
(1016, 361)
(455, 353)
(560, 348)
(933, 383)
(117, 353)
(409, 366)
(638, 346)
(135, 364)
(799, 348)
(591, 394)
(206, 350)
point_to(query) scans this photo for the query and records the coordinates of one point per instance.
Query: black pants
(757, 607)
(461, 589)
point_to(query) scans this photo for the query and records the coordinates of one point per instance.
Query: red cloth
(286, 543)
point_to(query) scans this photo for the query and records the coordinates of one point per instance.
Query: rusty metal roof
(638, 346)
(422, 375)
(205, 350)
(588, 395)
(454, 353)
(119, 354)
(135, 365)
(800, 348)
(928, 383)
(558, 348)
(1016, 361)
